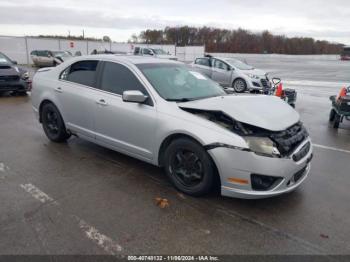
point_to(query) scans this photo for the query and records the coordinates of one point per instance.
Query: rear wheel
(239, 85)
(336, 122)
(332, 114)
(189, 167)
(53, 124)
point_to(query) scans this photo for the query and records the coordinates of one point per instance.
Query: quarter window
(83, 72)
(117, 78)
(202, 61)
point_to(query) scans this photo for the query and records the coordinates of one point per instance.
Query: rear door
(124, 126)
(221, 72)
(203, 65)
(77, 94)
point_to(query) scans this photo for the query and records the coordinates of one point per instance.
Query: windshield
(4, 59)
(175, 82)
(159, 51)
(239, 64)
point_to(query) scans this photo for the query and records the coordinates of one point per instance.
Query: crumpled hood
(267, 112)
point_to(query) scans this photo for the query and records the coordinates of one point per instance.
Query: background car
(47, 58)
(155, 52)
(230, 72)
(12, 77)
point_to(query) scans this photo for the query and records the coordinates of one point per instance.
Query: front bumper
(258, 84)
(19, 85)
(240, 165)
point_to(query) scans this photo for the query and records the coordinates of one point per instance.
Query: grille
(288, 140)
(264, 83)
(9, 78)
(302, 152)
(299, 174)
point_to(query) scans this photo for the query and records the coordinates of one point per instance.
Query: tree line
(236, 41)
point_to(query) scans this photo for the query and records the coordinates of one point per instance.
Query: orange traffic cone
(342, 93)
(279, 90)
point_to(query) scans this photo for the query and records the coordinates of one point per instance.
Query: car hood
(254, 71)
(8, 70)
(267, 112)
(166, 56)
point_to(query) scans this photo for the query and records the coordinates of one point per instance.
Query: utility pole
(83, 34)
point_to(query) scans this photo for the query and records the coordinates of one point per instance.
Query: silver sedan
(163, 113)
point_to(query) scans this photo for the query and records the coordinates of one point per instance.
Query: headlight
(262, 146)
(25, 76)
(253, 76)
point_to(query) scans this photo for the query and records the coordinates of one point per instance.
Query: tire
(189, 167)
(332, 115)
(53, 124)
(239, 85)
(336, 121)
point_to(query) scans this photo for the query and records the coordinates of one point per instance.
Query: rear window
(202, 61)
(82, 72)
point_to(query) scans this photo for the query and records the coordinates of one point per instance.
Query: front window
(147, 51)
(176, 82)
(239, 64)
(117, 78)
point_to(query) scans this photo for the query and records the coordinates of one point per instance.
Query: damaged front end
(279, 144)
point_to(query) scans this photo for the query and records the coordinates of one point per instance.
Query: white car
(161, 112)
(47, 58)
(230, 72)
(154, 52)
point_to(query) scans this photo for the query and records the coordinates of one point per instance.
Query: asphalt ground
(80, 198)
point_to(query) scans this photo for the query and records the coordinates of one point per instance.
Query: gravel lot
(80, 198)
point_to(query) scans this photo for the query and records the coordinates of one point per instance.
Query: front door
(221, 73)
(127, 127)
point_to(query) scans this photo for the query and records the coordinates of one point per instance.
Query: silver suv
(230, 72)
(161, 112)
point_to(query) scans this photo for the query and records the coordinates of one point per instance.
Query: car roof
(133, 59)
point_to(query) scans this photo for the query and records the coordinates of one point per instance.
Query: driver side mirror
(134, 96)
(276, 80)
(14, 62)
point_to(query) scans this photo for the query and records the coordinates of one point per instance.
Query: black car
(12, 77)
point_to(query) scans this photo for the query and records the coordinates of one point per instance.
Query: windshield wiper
(179, 99)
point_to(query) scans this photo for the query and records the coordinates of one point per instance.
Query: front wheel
(53, 124)
(189, 167)
(239, 85)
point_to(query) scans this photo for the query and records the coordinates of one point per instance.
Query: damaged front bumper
(237, 168)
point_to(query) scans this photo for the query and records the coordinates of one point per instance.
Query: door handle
(58, 89)
(101, 102)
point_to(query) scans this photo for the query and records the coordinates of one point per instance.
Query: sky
(321, 19)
